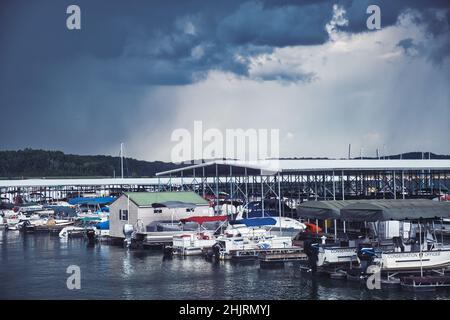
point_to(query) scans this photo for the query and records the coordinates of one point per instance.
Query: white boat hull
(285, 232)
(232, 245)
(191, 244)
(67, 231)
(408, 261)
(335, 256)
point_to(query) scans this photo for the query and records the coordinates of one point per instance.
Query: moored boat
(192, 243)
(70, 231)
(196, 243)
(248, 244)
(414, 260)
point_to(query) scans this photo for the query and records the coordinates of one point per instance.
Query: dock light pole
(335, 230)
(231, 190)
(121, 158)
(334, 187)
(395, 187)
(420, 252)
(217, 190)
(403, 184)
(246, 185)
(262, 196)
(279, 203)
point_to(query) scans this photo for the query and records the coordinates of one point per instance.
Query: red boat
(203, 219)
(311, 227)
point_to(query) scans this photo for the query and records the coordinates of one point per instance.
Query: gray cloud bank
(124, 75)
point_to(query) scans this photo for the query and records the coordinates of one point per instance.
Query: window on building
(123, 215)
(157, 210)
(189, 209)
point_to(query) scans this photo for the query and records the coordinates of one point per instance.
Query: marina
(225, 150)
(399, 236)
(296, 179)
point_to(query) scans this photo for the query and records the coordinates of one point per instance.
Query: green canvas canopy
(322, 209)
(384, 210)
(374, 210)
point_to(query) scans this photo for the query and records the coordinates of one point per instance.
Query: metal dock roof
(269, 167)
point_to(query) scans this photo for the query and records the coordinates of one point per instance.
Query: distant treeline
(405, 156)
(29, 163)
(40, 163)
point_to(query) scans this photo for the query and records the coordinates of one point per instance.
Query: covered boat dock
(299, 179)
(372, 210)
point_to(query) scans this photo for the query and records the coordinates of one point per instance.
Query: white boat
(413, 261)
(71, 230)
(192, 243)
(8, 213)
(12, 222)
(60, 222)
(334, 256)
(59, 204)
(102, 216)
(12, 225)
(32, 221)
(237, 246)
(280, 226)
(31, 208)
(241, 230)
(286, 227)
(101, 233)
(428, 254)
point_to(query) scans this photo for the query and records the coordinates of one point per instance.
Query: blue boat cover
(91, 201)
(103, 225)
(257, 222)
(259, 213)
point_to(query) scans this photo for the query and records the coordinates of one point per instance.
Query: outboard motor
(128, 230)
(216, 251)
(312, 251)
(398, 243)
(90, 236)
(167, 252)
(366, 255)
(23, 225)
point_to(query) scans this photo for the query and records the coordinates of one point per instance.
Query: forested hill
(40, 163)
(30, 163)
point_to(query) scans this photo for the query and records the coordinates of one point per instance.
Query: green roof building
(145, 210)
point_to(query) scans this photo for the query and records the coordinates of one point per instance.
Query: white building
(140, 209)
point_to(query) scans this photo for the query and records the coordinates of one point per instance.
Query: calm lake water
(34, 267)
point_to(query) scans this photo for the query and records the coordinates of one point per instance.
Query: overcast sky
(137, 70)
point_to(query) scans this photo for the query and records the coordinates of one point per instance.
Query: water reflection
(33, 266)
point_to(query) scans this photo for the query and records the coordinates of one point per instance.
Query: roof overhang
(272, 167)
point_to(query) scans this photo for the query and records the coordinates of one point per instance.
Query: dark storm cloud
(152, 40)
(276, 26)
(78, 90)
